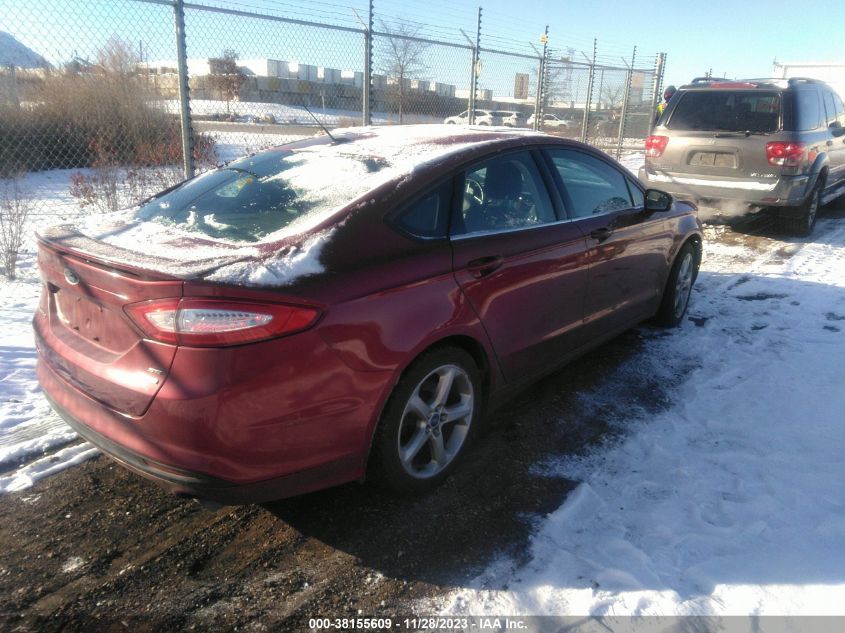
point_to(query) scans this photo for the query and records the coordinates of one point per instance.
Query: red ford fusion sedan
(347, 306)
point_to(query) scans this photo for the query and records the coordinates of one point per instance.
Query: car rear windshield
(258, 196)
(727, 110)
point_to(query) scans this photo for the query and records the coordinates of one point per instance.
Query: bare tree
(226, 75)
(15, 207)
(402, 59)
(559, 72)
(612, 96)
(117, 57)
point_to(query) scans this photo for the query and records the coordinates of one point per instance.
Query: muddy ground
(98, 548)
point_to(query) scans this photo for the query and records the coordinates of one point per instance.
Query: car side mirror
(656, 200)
(836, 129)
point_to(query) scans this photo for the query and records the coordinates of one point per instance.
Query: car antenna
(325, 129)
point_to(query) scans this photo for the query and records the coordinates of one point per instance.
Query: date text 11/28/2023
(419, 624)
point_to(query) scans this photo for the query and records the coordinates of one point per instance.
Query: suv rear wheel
(802, 224)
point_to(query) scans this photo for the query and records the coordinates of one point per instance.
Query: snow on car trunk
(729, 502)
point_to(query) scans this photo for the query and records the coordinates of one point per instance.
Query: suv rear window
(727, 110)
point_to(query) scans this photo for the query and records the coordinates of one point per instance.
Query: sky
(733, 39)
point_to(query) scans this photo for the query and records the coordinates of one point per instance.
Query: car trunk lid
(86, 338)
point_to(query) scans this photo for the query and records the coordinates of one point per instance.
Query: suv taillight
(199, 322)
(655, 146)
(784, 154)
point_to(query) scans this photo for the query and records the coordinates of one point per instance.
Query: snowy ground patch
(730, 502)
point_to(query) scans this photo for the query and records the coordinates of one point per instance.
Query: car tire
(802, 223)
(428, 422)
(678, 289)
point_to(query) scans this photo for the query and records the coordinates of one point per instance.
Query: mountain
(12, 52)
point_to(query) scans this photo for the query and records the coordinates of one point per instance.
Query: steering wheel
(474, 190)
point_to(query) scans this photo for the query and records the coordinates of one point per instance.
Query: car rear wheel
(678, 287)
(428, 422)
(802, 224)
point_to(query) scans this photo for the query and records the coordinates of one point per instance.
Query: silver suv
(482, 117)
(777, 144)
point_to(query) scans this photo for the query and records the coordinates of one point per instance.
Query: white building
(832, 73)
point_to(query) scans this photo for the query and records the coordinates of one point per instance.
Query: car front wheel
(428, 422)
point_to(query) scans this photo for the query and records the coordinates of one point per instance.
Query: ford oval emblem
(71, 277)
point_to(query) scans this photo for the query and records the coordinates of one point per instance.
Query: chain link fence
(104, 102)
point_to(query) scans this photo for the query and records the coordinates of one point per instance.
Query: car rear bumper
(236, 425)
(783, 192)
(188, 484)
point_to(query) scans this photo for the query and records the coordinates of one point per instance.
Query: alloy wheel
(435, 421)
(683, 285)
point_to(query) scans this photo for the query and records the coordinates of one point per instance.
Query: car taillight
(217, 322)
(785, 154)
(655, 146)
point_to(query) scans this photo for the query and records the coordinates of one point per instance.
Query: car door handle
(484, 265)
(601, 234)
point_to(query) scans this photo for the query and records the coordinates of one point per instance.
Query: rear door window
(840, 108)
(829, 106)
(727, 110)
(808, 110)
(502, 194)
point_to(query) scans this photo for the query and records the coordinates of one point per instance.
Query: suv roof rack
(808, 80)
(784, 81)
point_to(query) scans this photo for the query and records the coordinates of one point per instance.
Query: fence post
(366, 103)
(184, 104)
(473, 71)
(585, 124)
(628, 80)
(657, 84)
(539, 104)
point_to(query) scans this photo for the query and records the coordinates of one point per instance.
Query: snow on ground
(730, 501)
(632, 161)
(233, 145)
(33, 439)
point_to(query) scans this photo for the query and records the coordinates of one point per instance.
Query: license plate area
(97, 325)
(713, 159)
